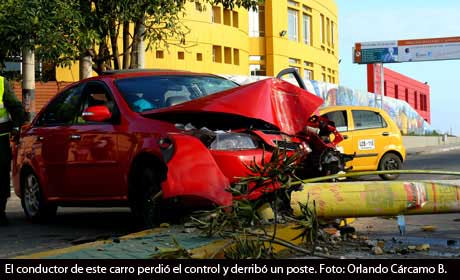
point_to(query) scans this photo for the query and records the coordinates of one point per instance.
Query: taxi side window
(367, 119)
(340, 120)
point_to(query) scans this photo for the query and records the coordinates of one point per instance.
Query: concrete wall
(425, 141)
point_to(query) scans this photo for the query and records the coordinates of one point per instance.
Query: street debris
(428, 228)
(377, 251)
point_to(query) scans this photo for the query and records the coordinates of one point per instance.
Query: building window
(199, 57)
(294, 61)
(415, 100)
(308, 64)
(253, 23)
(227, 55)
(236, 56)
(308, 74)
(293, 23)
(215, 14)
(293, 3)
(257, 70)
(256, 58)
(328, 31)
(227, 19)
(306, 29)
(332, 33)
(385, 88)
(321, 28)
(235, 19)
(257, 22)
(159, 54)
(396, 92)
(180, 55)
(323, 76)
(217, 54)
(407, 95)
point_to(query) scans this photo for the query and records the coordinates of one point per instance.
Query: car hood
(272, 101)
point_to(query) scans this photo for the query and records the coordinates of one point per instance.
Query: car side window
(63, 109)
(94, 94)
(367, 119)
(340, 120)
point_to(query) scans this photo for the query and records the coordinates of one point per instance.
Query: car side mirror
(98, 113)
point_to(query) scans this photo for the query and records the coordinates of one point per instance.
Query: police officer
(12, 116)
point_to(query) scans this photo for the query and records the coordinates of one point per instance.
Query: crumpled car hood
(273, 101)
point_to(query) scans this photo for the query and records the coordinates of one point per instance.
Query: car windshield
(154, 92)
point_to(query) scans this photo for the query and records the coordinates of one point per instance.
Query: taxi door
(369, 131)
(342, 121)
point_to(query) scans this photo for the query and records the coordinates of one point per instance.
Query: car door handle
(385, 133)
(75, 137)
(40, 138)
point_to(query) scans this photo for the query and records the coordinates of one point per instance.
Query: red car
(124, 136)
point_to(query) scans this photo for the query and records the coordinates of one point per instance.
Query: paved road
(447, 226)
(72, 224)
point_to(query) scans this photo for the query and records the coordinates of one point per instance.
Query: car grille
(290, 146)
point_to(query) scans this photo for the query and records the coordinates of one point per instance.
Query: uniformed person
(12, 116)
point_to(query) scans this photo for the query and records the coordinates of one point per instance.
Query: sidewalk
(154, 243)
(432, 149)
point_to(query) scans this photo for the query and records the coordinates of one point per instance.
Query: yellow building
(280, 34)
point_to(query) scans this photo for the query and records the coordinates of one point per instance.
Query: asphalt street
(79, 225)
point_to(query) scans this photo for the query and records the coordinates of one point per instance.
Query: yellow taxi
(371, 135)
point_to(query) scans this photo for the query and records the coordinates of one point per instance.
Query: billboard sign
(407, 50)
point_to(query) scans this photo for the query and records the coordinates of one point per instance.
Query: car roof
(128, 73)
(344, 107)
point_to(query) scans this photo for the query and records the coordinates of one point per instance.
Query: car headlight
(233, 141)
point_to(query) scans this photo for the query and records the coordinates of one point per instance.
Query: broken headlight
(233, 141)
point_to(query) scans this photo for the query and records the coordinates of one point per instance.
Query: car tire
(390, 162)
(146, 187)
(32, 200)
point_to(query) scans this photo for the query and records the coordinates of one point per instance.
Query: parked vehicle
(125, 136)
(371, 135)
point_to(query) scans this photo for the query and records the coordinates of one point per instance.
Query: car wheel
(390, 162)
(33, 202)
(143, 201)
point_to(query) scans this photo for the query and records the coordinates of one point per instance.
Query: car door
(341, 121)
(49, 138)
(369, 131)
(93, 168)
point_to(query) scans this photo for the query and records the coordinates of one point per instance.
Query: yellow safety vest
(4, 116)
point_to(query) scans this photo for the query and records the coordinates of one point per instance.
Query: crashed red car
(123, 137)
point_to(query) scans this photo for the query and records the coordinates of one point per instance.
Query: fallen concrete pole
(369, 199)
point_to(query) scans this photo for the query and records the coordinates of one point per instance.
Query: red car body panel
(192, 171)
(272, 100)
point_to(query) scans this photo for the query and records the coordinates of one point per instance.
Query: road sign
(407, 50)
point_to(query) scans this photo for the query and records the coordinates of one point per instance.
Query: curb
(431, 150)
(150, 244)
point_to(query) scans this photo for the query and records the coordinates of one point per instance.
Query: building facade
(401, 87)
(280, 34)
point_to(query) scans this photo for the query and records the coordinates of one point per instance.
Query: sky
(373, 20)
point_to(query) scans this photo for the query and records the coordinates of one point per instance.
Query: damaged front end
(221, 136)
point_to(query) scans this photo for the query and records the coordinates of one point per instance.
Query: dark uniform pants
(5, 167)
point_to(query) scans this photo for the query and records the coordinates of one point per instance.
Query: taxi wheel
(390, 162)
(144, 205)
(32, 200)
